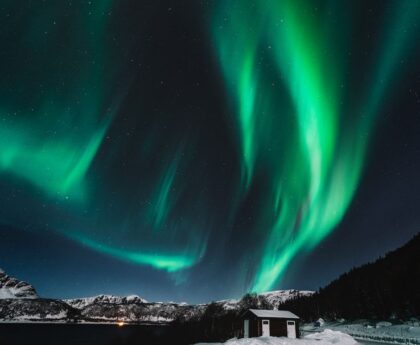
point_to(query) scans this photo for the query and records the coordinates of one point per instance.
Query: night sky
(197, 150)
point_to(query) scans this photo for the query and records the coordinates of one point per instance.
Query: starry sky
(197, 150)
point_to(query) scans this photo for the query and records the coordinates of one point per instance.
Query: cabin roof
(281, 314)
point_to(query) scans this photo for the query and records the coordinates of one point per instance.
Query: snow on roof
(283, 314)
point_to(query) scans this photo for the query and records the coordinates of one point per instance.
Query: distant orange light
(120, 324)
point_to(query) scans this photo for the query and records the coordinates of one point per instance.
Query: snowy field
(381, 332)
(326, 337)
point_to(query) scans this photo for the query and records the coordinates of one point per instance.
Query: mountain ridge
(22, 304)
(13, 288)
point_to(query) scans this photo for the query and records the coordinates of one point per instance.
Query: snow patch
(332, 337)
(327, 337)
(364, 330)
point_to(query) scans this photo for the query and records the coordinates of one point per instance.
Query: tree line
(217, 323)
(388, 288)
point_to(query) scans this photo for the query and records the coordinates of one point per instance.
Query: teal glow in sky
(285, 70)
(52, 140)
(203, 146)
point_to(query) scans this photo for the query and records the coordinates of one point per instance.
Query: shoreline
(65, 322)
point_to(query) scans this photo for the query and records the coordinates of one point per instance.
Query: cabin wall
(254, 328)
(278, 327)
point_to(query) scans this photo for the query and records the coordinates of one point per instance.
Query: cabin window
(265, 322)
(290, 323)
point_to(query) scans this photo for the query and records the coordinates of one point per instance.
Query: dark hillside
(386, 288)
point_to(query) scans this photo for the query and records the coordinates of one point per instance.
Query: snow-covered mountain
(281, 296)
(80, 303)
(274, 298)
(138, 312)
(20, 302)
(14, 288)
(35, 309)
(136, 309)
(128, 309)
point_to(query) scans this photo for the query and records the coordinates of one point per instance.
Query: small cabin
(270, 323)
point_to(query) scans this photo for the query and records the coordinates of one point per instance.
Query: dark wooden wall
(278, 327)
(254, 327)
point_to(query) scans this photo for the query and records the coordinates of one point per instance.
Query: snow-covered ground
(385, 332)
(326, 337)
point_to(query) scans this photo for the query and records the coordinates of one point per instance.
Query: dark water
(86, 334)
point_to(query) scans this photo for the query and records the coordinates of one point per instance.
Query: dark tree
(385, 289)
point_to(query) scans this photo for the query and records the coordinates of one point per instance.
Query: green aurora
(52, 141)
(36, 142)
(284, 65)
(91, 147)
